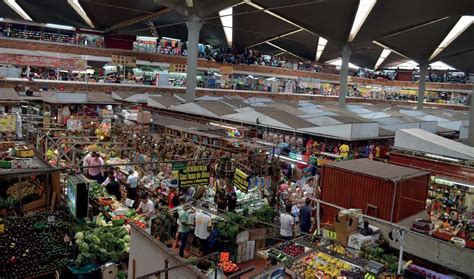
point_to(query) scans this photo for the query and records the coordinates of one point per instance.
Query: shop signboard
(43, 61)
(178, 166)
(129, 61)
(241, 180)
(7, 123)
(195, 175)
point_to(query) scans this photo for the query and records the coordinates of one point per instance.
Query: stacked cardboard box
(344, 226)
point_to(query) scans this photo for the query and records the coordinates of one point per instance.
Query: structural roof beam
(138, 19)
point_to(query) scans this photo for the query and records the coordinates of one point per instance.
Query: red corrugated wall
(412, 196)
(353, 190)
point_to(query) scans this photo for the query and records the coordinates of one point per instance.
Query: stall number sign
(241, 180)
(194, 176)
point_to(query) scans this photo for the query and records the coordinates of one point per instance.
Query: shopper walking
(202, 230)
(287, 224)
(184, 226)
(132, 183)
(305, 216)
(95, 168)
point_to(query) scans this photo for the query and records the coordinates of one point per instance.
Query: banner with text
(241, 180)
(43, 61)
(197, 175)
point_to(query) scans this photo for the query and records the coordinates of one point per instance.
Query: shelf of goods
(34, 245)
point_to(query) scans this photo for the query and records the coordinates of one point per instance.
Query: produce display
(99, 242)
(291, 249)
(320, 261)
(377, 254)
(228, 267)
(34, 245)
(24, 189)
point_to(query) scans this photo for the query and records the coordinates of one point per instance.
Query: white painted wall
(149, 256)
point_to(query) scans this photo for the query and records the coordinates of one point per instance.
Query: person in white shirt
(287, 224)
(146, 207)
(202, 230)
(132, 183)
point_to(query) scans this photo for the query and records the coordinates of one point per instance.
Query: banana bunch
(331, 270)
(339, 249)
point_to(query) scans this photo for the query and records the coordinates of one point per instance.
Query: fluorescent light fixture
(321, 45)
(338, 63)
(385, 53)
(14, 5)
(285, 158)
(227, 21)
(452, 183)
(463, 23)
(441, 157)
(363, 11)
(59, 26)
(79, 10)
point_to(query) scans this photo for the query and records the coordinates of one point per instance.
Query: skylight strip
(14, 6)
(322, 42)
(79, 10)
(463, 23)
(227, 20)
(363, 11)
(338, 62)
(385, 53)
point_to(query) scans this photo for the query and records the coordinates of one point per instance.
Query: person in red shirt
(173, 199)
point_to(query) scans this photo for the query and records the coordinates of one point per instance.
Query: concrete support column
(470, 137)
(345, 56)
(422, 85)
(194, 25)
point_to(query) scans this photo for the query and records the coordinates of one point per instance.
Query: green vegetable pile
(378, 254)
(102, 243)
(7, 203)
(96, 190)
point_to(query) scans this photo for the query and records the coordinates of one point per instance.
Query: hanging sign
(241, 180)
(197, 175)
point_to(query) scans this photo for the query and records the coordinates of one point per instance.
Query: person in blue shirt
(305, 216)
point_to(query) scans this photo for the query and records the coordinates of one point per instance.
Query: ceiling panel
(330, 19)
(105, 13)
(331, 51)
(390, 16)
(463, 61)
(252, 26)
(7, 12)
(302, 43)
(419, 44)
(267, 49)
(366, 57)
(393, 59)
(59, 12)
